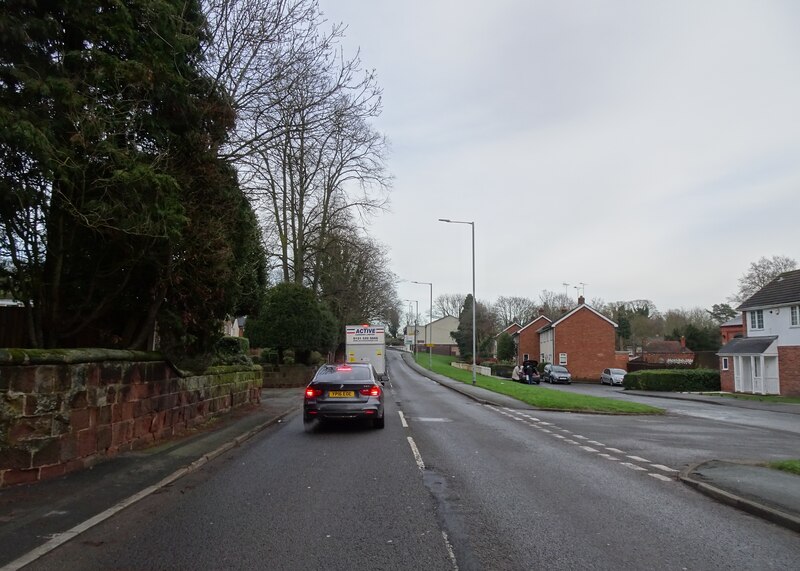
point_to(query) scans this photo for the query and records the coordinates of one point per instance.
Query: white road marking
(559, 436)
(450, 551)
(546, 423)
(633, 466)
(589, 448)
(609, 457)
(595, 442)
(402, 419)
(581, 437)
(545, 430)
(564, 430)
(616, 450)
(571, 441)
(661, 477)
(416, 453)
(664, 468)
(639, 459)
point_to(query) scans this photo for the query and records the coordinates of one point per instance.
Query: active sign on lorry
(367, 344)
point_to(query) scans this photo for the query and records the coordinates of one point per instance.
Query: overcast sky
(648, 149)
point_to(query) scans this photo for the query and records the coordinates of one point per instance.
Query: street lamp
(429, 326)
(416, 318)
(474, 301)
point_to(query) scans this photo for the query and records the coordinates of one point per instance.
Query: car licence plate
(341, 394)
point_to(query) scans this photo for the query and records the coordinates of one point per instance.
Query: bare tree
(514, 309)
(304, 146)
(448, 304)
(759, 274)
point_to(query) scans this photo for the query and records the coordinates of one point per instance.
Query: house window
(724, 363)
(562, 358)
(757, 368)
(757, 319)
(795, 310)
(524, 356)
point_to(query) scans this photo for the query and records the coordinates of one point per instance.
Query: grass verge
(537, 396)
(792, 466)
(762, 398)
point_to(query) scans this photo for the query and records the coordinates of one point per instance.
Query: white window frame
(724, 363)
(562, 359)
(795, 311)
(757, 319)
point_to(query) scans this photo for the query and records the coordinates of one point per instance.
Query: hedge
(677, 380)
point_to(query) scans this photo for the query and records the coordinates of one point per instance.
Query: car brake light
(344, 368)
(374, 391)
(312, 393)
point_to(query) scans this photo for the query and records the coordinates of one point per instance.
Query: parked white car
(612, 376)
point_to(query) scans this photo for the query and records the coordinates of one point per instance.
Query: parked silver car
(612, 376)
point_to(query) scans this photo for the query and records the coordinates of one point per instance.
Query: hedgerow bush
(676, 380)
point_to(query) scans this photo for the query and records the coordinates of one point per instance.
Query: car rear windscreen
(330, 374)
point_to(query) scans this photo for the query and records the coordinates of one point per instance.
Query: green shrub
(315, 358)
(288, 357)
(677, 380)
(502, 370)
(268, 356)
(232, 351)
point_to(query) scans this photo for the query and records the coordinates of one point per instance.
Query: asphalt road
(449, 482)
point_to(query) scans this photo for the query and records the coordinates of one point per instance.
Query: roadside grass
(792, 466)
(762, 398)
(537, 396)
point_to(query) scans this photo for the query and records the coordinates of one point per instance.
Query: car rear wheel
(378, 422)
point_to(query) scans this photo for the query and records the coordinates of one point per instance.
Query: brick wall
(529, 343)
(621, 359)
(726, 377)
(60, 411)
(789, 370)
(588, 340)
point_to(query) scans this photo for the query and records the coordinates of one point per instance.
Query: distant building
(439, 331)
(732, 329)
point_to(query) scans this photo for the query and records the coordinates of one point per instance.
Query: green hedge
(677, 380)
(502, 370)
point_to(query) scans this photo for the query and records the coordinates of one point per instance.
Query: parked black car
(556, 374)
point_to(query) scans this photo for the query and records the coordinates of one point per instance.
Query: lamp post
(416, 318)
(474, 301)
(429, 327)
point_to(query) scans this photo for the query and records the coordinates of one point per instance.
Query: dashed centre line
(581, 441)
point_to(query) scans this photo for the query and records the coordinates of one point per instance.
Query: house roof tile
(783, 290)
(747, 346)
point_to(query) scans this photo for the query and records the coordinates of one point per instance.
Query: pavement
(37, 518)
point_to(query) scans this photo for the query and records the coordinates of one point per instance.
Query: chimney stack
(581, 300)
(683, 342)
(541, 311)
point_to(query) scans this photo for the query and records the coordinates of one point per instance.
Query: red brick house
(766, 360)
(583, 340)
(667, 353)
(731, 329)
(511, 329)
(527, 339)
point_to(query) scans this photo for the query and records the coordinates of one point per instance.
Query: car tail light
(374, 391)
(313, 393)
(344, 368)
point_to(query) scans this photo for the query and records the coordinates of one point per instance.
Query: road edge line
(65, 536)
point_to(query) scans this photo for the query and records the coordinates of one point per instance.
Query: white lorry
(367, 344)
